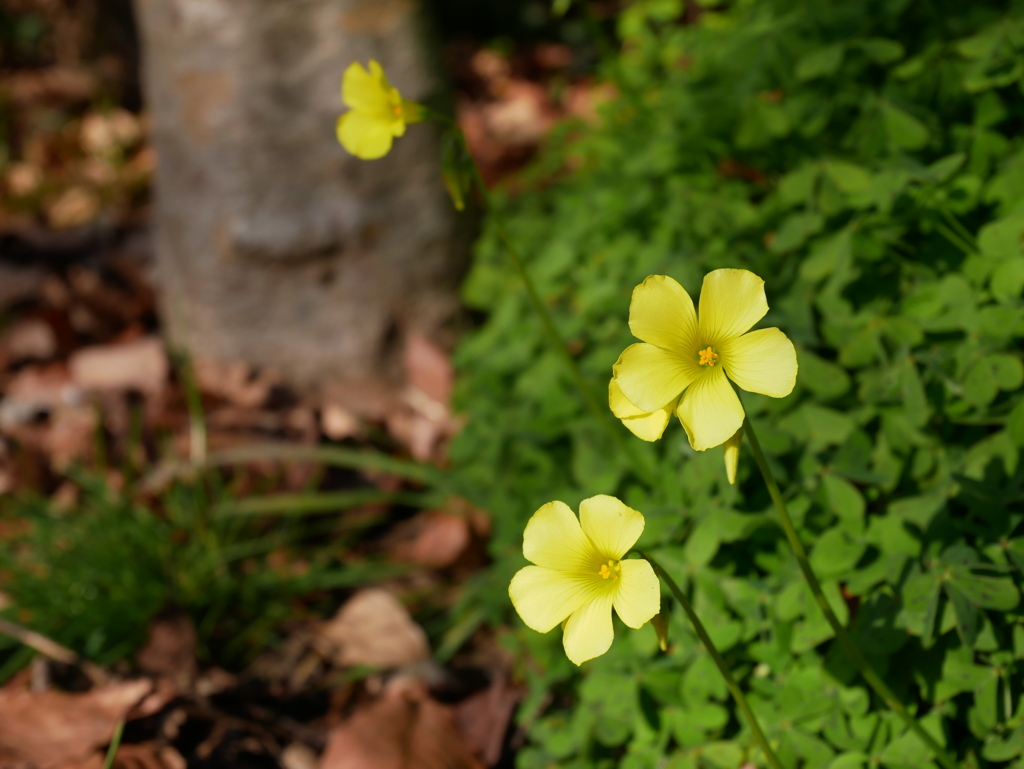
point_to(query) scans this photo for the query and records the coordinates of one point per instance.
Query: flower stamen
(707, 357)
(610, 570)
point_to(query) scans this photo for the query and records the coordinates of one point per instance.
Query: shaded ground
(90, 398)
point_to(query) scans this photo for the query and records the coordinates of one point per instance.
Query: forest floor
(90, 393)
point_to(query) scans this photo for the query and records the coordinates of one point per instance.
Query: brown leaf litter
(50, 728)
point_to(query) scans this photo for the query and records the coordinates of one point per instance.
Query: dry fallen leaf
(53, 729)
(298, 756)
(522, 116)
(22, 179)
(584, 100)
(97, 172)
(237, 383)
(338, 423)
(102, 133)
(421, 433)
(146, 755)
(170, 650)
(70, 435)
(72, 208)
(431, 538)
(491, 67)
(485, 716)
(373, 628)
(42, 387)
(369, 398)
(54, 85)
(553, 55)
(424, 419)
(138, 365)
(403, 729)
(428, 368)
(32, 339)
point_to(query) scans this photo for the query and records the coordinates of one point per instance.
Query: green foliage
(867, 160)
(93, 576)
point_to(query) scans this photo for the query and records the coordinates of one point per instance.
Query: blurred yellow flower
(580, 574)
(377, 113)
(686, 359)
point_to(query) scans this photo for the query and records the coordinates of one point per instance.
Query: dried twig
(53, 650)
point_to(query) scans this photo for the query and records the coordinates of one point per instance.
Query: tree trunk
(274, 246)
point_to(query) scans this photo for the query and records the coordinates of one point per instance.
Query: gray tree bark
(273, 245)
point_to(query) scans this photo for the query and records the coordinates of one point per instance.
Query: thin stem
(955, 239)
(40, 643)
(334, 456)
(197, 437)
(851, 649)
(534, 295)
(599, 411)
(958, 226)
(115, 743)
(52, 650)
(730, 682)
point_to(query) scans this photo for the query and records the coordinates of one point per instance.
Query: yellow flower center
(397, 109)
(610, 570)
(707, 357)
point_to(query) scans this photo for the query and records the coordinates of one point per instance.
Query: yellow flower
(651, 426)
(648, 426)
(732, 456)
(377, 114)
(686, 360)
(580, 574)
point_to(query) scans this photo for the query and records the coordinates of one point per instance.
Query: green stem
(115, 743)
(851, 649)
(194, 406)
(955, 239)
(958, 227)
(730, 682)
(599, 411)
(542, 312)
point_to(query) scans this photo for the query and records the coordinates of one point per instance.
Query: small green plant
(92, 577)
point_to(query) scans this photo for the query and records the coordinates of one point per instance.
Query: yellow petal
(612, 526)
(553, 539)
(544, 597)
(732, 456)
(710, 411)
(648, 427)
(377, 73)
(588, 633)
(661, 313)
(619, 403)
(731, 301)
(364, 135)
(366, 91)
(763, 361)
(638, 598)
(650, 376)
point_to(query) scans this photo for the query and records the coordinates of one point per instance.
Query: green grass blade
(323, 503)
(333, 456)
